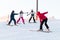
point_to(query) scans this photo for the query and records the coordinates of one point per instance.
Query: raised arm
(45, 13)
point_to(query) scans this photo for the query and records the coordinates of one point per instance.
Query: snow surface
(21, 31)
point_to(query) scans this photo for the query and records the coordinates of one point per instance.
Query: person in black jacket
(12, 17)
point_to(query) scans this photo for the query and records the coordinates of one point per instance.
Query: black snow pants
(44, 21)
(11, 21)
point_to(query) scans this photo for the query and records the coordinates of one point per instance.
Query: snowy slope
(21, 31)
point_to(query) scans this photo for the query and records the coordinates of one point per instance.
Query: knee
(45, 23)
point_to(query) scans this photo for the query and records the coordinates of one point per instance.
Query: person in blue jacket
(12, 17)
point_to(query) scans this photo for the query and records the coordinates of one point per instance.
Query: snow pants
(11, 21)
(31, 18)
(19, 20)
(45, 20)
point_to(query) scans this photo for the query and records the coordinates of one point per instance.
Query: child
(12, 17)
(32, 16)
(21, 17)
(43, 19)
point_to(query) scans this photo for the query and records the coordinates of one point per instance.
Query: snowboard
(32, 22)
(40, 31)
(12, 25)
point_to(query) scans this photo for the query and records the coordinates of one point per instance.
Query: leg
(14, 21)
(46, 24)
(23, 20)
(34, 20)
(41, 25)
(18, 20)
(9, 21)
(30, 18)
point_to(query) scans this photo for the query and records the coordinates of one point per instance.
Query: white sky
(52, 6)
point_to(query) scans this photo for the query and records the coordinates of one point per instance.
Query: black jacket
(12, 15)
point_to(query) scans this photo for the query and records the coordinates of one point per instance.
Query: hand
(26, 12)
(47, 12)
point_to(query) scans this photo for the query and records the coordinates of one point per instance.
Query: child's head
(31, 10)
(12, 11)
(21, 12)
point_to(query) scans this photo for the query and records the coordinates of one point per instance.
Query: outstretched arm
(28, 14)
(15, 14)
(45, 12)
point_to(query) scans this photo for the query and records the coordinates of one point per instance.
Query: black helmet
(21, 11)
(31, 10)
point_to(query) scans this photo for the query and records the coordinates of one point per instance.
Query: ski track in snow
(21, 31)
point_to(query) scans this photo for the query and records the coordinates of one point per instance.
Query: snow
(21, 31)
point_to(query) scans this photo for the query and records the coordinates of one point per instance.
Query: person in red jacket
(43, 19)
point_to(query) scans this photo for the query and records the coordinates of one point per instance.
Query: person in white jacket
(32, 16)
(21, 17)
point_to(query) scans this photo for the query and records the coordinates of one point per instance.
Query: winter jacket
(12, 15)
(41, 16)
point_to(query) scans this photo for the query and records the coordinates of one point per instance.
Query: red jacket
(41, 16)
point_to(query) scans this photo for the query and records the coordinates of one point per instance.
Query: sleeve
(45, 13)
(15, 14)
(29, 14)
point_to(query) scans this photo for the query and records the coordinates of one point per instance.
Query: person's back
(41, 15)
(12, 14)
